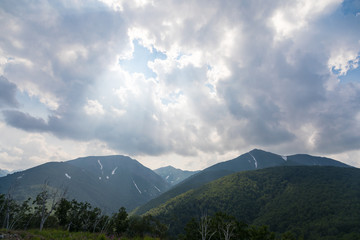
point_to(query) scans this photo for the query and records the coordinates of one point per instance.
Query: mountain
(311, 201)
(4, 172)
(255, 159)
(174, 175)
(108, 182)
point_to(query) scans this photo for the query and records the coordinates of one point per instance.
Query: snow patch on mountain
(136, 187)
(254, 160)
(284, 157)
(157, 188)
(101, 166)
(68, 176)
(113, 171)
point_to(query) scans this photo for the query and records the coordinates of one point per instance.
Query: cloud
(24, 121)
(93, 107)
(7, 93)
(230, 76)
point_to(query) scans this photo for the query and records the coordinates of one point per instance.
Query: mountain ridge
(255, 159)
(108, 182)
(174, 175)
(315, 202)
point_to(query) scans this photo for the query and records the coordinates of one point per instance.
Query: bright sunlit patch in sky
(140, 58)
(172, 97)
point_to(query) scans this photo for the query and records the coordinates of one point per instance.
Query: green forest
(311, 202)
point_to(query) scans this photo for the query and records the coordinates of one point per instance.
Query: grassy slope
(53, 234)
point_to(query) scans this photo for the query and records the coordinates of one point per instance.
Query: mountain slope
(173, 175)
(255, 159)
(3, 172)
(315, 202)
(108, 182)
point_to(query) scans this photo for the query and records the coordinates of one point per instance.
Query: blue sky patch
(351, 7)
(139, 61)
(32, 104)
(352, 75)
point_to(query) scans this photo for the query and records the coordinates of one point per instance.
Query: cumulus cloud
(233, 74)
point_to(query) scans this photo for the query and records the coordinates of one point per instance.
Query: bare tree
(97, 213)
(42, 199)
(106, 224)
(227, 229)
(19, 212)
(204, 227)
(8, 204)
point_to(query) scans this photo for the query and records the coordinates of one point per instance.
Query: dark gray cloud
(7, 93)
(24, 121)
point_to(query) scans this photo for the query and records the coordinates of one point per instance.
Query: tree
(121, 221)
(62, 212)
(205, 230)
(19, 212)
(288, 236)
(42, 199)
(192, 230)
(95, 218)
(136, 227)
(261, 233)
(225, 224)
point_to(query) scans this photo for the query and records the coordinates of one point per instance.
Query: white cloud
(343, 60)
(296, 15)
(93, 107)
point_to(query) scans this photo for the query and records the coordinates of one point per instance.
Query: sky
(182, 83)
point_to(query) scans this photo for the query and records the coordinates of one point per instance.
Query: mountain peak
(258, 150)
(107, 182)
(173, 175)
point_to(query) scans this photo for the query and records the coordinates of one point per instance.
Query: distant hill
(174, 175)
(255, 159)
(313, 202)
(108, 182)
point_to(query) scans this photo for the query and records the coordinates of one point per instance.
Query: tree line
(51, 209)
(222, 226)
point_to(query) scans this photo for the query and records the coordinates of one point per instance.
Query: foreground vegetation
(56, 234)
(50, 210)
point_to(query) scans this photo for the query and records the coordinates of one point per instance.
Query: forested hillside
(312, 202)
(253, 160)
